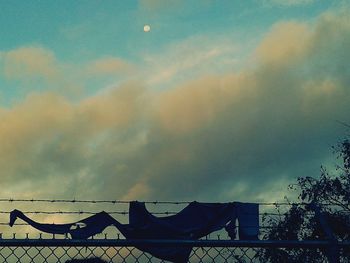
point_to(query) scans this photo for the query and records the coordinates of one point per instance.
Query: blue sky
(79, 32)
(83, 30)
(221, 100)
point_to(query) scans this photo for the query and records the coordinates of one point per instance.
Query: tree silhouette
(322, 214)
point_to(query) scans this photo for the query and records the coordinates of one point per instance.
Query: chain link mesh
(65, 254)
(120, 254)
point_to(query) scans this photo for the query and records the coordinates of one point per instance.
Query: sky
(219, 101)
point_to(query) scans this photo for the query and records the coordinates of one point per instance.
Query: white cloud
(190, 58)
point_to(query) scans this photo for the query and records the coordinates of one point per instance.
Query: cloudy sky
(220, 101)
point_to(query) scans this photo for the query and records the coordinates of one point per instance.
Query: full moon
(146, 28)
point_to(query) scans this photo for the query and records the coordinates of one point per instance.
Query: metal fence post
(333, 250)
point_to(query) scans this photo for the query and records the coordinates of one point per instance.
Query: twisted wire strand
(89, 201)
(155, 202)
(26, 224)
(114, 212)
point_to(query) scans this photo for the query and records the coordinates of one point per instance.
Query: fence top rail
(152, 242)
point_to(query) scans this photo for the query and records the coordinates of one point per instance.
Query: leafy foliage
(329, 192)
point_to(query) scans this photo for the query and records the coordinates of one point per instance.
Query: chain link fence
(118, 254)
(22, 244)
(109, 250)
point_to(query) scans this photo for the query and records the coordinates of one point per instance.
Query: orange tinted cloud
(107, 66)
(285, 43)
(27, 62)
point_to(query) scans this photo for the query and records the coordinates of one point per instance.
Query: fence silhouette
(24, 247)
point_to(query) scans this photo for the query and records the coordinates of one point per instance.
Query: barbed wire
(146, 202)
(15, 224)
(85, 212)
(26, 224)
(113, 212)
(80, 212)
(89, 201)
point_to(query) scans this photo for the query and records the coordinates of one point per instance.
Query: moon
(146, 28)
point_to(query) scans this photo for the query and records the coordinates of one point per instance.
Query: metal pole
(333, 250)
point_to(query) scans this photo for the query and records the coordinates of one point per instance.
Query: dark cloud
(253, 128)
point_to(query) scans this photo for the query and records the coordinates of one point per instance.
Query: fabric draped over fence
(193, 222)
